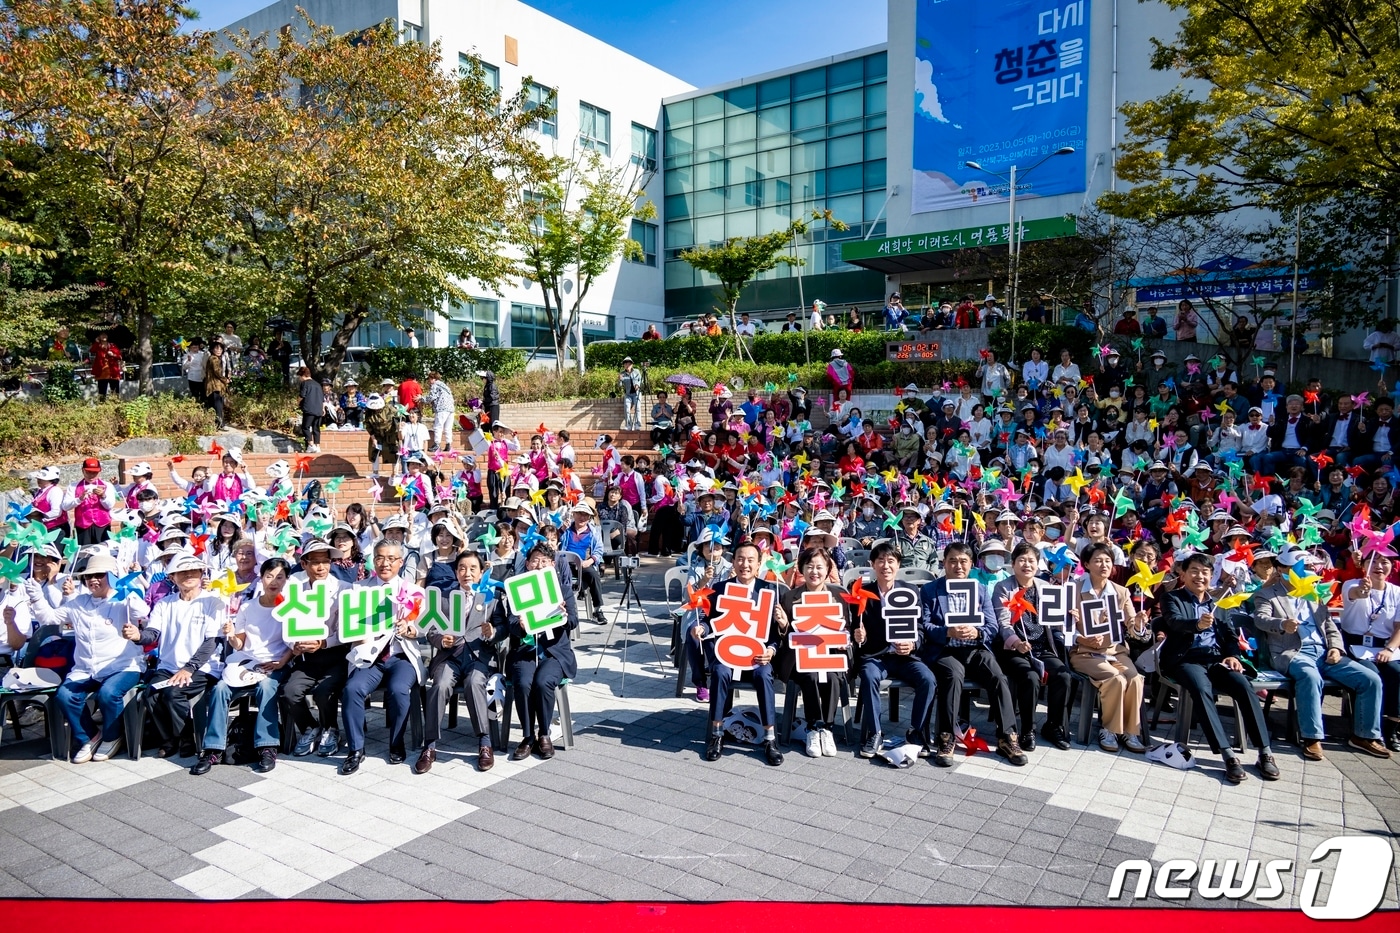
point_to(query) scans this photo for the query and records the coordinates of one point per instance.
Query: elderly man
(318, 668)
(389, 659)
(1292, 437)
(185, 624)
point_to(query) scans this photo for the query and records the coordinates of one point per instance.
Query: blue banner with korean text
(999, 83)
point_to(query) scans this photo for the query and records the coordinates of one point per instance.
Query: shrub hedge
(1049, 339)
(453, 363)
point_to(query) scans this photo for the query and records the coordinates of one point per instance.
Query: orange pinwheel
(1243, 553)
(199, 542)
(1172, 525)
(698, 599)
(1018, 605)
(542, 430)
(302, 464)
(1322, 460)
(283, 512)
(859, 596)
(215, 450)
(1096, 495)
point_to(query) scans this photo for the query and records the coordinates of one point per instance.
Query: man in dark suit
(1381, 434)
(464, 660)
(956, 651)
(538, 663)
(1345, 433)
(1293, 436)
(747, 558)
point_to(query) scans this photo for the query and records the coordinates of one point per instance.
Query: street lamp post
(1014, 244)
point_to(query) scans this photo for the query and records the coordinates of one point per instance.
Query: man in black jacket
(1382, 434)
(1293, 437)
(1201, 653)
(1344, 432)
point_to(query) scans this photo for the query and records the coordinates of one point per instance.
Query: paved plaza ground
(633, 812)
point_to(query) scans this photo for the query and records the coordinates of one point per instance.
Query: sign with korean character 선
(304, 612)
(900, 609)
(443, 612)
(819, 637)
(1103, 617)
(1010, 91)
(741, 625)
(366, 612)
(964, 603)
(1053, 602)
(535, 597)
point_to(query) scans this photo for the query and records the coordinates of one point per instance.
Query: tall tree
(366, 179)
(738, 261)
(111, 103)
(572, 223)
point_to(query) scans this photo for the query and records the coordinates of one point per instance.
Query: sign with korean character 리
(1053, 602)
(535, 597)
(899, 607)
(741, 625)
(304, 612)
(819, 637)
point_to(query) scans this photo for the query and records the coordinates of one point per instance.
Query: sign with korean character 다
(366, 612)
(741, 624)
(1010, 91)
(535, 597)
(900, 609)
(819, 637)
(1103, 616)
(304, 612)
(1053, 601)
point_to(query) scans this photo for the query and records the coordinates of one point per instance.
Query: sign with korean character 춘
(999, 83)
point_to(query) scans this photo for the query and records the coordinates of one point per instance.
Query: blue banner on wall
(999, 83)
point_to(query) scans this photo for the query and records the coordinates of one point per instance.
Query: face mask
(993, 562)
(904, 430)
(1052, 534)
(868, 511)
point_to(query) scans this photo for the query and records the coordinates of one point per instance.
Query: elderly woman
(617, 509)
(107, 659)
(539, 662)
(1106, 662)
(1031, 653)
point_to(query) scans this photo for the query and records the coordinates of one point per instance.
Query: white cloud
(925, 93)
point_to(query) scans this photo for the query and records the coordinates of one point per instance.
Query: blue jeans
(266, 730)
(1308, 670)
(1390, 682)
(72, 699)
(908, 670)
(398, 677)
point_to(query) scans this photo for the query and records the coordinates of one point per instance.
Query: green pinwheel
(1122, 503)
(11, 571)
(489, 537)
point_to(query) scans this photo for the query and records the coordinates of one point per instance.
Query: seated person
(256, 634)
(464, 660)
(709, 566)
(1030, 653)
(1201, 653)
(538, 663)
(815, 564)
(318, 669)
(1106, 664)
(185, 624)
(961, 650)
(879, 659)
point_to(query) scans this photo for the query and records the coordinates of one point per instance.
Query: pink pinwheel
(1193, 368)
(1105, 350)
(407, 603)
(1225, 501)
(376, 491)
(1169, 441)
(1360, 400)
(1377, 542)
(1006, 494)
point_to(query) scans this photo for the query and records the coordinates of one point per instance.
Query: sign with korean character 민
(1010, 91)
(741, 624)
(1053, 602)
(900, 609)
(535, 597)
(964, 603)
(1103, 617)
(304, 612)
(819, 637)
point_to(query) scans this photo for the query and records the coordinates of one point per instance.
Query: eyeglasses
(384, 559)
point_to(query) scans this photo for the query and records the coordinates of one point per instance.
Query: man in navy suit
(745, 574)
(956, 650)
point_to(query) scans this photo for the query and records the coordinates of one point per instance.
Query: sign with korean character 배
(900, 609)
(1103, 616)
(304, 612)
(741, 625)
(366, 612)
(535, 597)
(1053, 602)
(819, 637)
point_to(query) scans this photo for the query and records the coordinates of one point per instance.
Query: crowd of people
(1088, 522)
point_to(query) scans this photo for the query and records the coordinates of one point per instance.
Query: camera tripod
(625, 605)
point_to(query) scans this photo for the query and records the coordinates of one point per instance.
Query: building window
(645, 235)
(412, 32)
(478, 315)
(535, 203)
(529, 327)
(489, 73)
(538, 96)
(644, 147)
(595, 128)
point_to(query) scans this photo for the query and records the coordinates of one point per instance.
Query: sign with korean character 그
(964, 603)
(536, 598)
(304, 612)
(741, 625)
(819, 637)
(899, 607)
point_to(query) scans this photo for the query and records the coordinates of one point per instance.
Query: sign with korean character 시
(741, 623)
(900, 609)
(536, 598)
(819, 637)
(1011, 90)
(445, 613)
(1053, 602)
(304, 612)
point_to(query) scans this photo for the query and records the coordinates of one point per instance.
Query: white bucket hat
(278, 469)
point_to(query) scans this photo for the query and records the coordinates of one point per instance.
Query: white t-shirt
(746, 330)
(1069, 374)
(184, 625)
(264, 633)
(194, 365)
(17, 599)
(413, 436)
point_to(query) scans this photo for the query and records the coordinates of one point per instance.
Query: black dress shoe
(1268, 768)
(771, 753)
(545, 747)
(523, 750)
(486, 758)
(166, 751)
(714, 746)
(397, 756)
(1234, 770)
(352, 762)
(425, 760)
(267, 760)
(1028, 740)
(206, 762)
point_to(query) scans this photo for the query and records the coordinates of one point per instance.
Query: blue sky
(705, 42)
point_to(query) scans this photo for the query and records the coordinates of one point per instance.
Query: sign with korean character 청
(304, 612)
(741, 624)
(819, 637)
(1010, 91)
(535, 597)
(900, 609)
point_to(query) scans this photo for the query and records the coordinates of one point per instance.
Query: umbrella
(686, 379)
(280, 323)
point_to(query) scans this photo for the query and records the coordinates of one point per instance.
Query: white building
(603, 99)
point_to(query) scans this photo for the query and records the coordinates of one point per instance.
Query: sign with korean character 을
(819, 637)
(741, 625)
(1009, 89)
(304, 612)
(900, 609)
(535, 597)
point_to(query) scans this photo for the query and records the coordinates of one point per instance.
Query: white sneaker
(85, 753)
(107, 749)
(306, 741)
(814, 743)
(828, 744)
(1108, 741)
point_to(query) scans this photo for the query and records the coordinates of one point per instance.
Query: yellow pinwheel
(1145, 578)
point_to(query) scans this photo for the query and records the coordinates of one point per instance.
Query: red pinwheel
(1243, 553)
(859, 596)
(1310, 398)
(1172, 525)
(178, 458)
(1322, 460)
(283, 511)
(302, 464)
(972, 744)
(945, 525)
(541, 430)
(1260, 481)
(1018, 605)
(787, 498)
(1354, 471)
(198, 542)
(698, 599)
(215, 450)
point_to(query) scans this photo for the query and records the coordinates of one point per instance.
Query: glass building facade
(749, 159)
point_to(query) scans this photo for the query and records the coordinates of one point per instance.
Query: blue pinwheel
(487, 587)
(1060, 558)
(531, 538)
(122, 587)
(18, 512)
